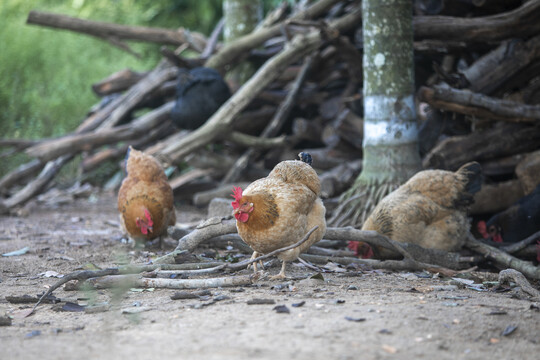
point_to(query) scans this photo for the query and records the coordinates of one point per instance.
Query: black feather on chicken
(199, 94)
(515, 223)
(305, 157)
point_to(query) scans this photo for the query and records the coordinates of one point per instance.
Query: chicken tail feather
(305, 157)
(473, 173)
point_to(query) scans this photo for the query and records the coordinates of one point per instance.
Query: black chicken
(515, 223)
(199, 93)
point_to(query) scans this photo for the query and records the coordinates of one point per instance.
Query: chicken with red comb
(278, 210)
(145, 199)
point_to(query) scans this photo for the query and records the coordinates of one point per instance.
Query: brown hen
(429, 210)
(145, 199)
(278, 210)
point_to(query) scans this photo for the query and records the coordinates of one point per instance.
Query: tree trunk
(241, 18)
(390, 142)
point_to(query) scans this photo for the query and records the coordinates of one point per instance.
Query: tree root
(359, 201)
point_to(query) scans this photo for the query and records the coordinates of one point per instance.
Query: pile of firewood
(478, 86)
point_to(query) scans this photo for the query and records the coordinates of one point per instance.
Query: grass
(46, 75)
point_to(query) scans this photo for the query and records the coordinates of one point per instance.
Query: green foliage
(46, 75)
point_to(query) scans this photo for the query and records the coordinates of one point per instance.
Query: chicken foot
(281, 274)
(255, 255)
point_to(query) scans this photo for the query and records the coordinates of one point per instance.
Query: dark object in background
(515, 223)
(199, 93)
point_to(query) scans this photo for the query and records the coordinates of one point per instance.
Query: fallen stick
(137, 281)
(208, 229)
(395, 265)
(502, 259)
(525, 290)
(35, 186)
(20, 173)
(78, 275)
(521, 244)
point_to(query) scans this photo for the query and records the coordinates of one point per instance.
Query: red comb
(237, 195)
(482, 229)
(148, 217)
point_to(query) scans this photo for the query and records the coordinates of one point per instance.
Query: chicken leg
(281, 274)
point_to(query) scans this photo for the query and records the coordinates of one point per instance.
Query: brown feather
(429, 210)
(286, 205)
(145, 187)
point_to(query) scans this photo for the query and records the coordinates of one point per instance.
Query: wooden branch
(119, 107)
(120, 32)
(503, 259)
(19, 144)
(232, 51)
(489, 72)
(470, 103)
(74, 143)
(188, 177)
(20, 173)
(208, 229)
(455, 151)
(273, 126)
(213, 39)
(523, 287)
(117, 82)
(394, 265)
(78, 275)
(513, 248)
(496, 197)
(91, 162)
(409, 251)
(257, 142)
(521, 22)
(138, 281)
(204, 197)
(35, 186)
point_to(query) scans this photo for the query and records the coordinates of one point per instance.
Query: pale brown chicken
(429, 210)
(278, 210)
(145, 199)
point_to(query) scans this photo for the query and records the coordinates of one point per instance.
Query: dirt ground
(347, 315)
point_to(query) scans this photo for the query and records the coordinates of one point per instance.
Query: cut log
(506, 139)
(493, 198)
(490, 71)
(474, 104)
(117, 82)
(521, 22)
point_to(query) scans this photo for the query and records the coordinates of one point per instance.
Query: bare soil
(347, 315)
